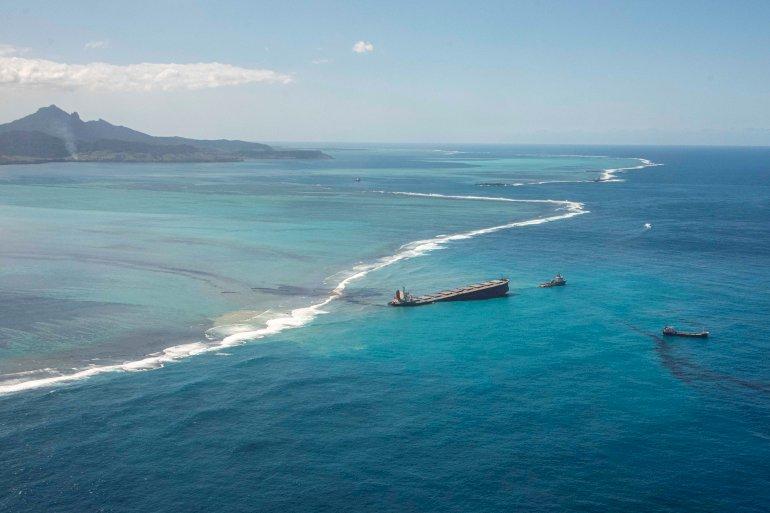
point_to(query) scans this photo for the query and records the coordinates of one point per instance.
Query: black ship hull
(486, 290)
(702, 334)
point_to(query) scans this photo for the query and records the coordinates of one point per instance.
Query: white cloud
(321, 61)
(96, 45)
(11, 50)
(363, 47)
(132, 77)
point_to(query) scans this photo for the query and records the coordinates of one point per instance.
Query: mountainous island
(53, 135)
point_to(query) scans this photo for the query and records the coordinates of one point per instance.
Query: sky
(551, 72)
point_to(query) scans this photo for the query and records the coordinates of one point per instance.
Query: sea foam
(608, 175)
(301, 316)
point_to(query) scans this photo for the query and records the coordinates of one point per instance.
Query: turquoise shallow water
(560, 399)
(110, 263)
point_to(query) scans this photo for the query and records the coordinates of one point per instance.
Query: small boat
(557, 281)
(669, 331)
(357, 179)
(486, 290)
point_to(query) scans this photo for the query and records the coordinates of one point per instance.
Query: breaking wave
(301, 316)
(607, 175)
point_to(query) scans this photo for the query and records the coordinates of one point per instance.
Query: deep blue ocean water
(548, 400)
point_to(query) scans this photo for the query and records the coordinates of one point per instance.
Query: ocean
(197, 337)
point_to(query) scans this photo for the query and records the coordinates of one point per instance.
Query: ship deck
(446, 295)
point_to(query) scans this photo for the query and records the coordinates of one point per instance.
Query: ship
(486, 290)
(670, 331)
(557, 281)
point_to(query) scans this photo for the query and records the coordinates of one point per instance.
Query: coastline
(28, 162)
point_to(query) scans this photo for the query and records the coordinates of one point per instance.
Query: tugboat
(486, 290)
(557, 281)
(669, 331)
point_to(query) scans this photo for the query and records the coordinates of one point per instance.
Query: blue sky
(515, 72)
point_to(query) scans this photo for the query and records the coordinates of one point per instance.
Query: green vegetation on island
(51, 135)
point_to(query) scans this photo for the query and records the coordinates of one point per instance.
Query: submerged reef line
(301, 316)
(607, 175)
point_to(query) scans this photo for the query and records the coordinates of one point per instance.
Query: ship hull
(488, 290)
(490, 293)
(704, 334)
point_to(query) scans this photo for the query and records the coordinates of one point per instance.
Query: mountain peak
(53, 113)
(51, 109)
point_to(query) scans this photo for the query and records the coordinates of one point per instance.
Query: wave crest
(301, 316)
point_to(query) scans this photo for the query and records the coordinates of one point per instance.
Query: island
(53, 135)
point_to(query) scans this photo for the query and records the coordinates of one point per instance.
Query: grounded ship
(557, 281)
(671, 332)
(486, 290)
